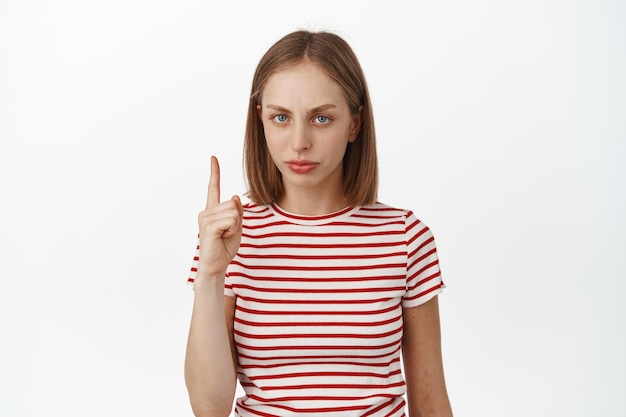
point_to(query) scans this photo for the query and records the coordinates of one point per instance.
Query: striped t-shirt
(318, 320)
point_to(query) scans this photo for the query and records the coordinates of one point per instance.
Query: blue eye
(322, 119)
(280, 118)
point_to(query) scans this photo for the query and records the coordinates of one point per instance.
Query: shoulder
(379, 209)
(253, 209)
(412, 225)
(382, 210)
(255, 215)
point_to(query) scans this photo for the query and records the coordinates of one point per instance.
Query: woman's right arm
(210, 364)
(210, 361)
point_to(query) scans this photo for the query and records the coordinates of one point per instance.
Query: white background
(500, 123)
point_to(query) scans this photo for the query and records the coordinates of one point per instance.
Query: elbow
(203, 404)
(207, 410)
(210, 399)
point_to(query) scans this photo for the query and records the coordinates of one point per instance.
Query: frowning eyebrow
(314, 110)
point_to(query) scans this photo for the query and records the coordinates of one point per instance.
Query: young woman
(320, 300)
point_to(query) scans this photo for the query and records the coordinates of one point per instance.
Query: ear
(355, 126)
(258, 110)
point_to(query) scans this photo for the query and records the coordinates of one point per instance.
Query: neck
(312, 204)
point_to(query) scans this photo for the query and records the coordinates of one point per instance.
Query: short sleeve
(194, 264)
(423, 278)
(228, 289)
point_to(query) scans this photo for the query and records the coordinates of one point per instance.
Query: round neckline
(311, 220)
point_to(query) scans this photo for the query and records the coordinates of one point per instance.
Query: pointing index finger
(213, 195)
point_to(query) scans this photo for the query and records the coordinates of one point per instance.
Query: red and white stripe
(318, 325)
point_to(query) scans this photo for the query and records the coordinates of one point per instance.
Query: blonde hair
(335, 57)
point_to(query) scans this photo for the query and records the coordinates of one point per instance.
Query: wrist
(204, 282)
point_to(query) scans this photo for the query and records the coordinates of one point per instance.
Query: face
(308, 126)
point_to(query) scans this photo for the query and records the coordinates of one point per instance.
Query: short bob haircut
(335, 57)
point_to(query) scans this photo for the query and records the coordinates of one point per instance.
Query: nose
(301, 139)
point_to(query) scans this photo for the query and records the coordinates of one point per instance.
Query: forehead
(303, 82)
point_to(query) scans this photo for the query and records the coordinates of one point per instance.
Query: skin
(423, 364)
(306, 118)
(210, 360)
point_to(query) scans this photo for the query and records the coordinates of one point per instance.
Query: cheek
(338, 135)
(273, 141)
(273, 136)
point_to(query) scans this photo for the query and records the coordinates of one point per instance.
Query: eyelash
(275, 118)
(327, 119)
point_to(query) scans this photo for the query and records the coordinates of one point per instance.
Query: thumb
(237, 201)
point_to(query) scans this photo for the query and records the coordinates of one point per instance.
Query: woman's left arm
(423, 364)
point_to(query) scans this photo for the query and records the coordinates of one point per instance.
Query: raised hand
(220, 229)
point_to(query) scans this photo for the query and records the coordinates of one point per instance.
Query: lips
(301, 166)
